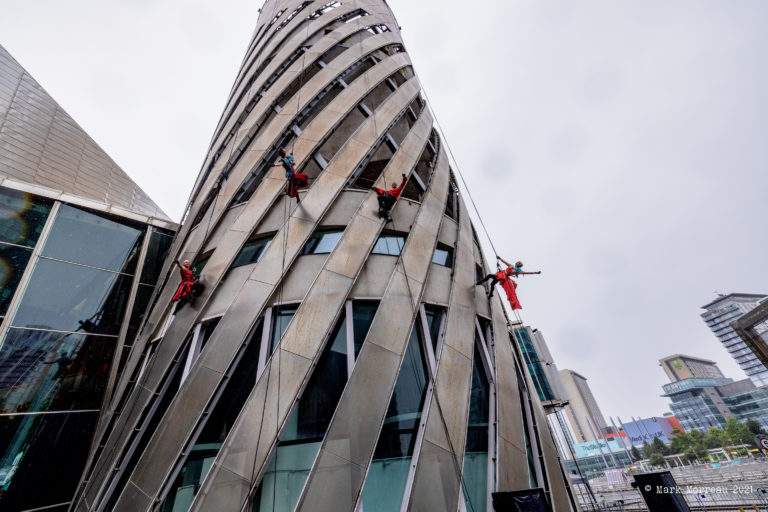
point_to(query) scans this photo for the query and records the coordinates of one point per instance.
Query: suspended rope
(454, 455)
(458, 170)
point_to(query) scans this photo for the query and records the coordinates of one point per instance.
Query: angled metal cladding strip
(338, 472)
(268, 191)
(561, 502)
(437, 481)
(316, 315)
(266, 275)
(511, 474)
(270, 188)
(247, 449)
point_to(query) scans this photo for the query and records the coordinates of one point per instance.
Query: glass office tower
(334, 361)
(79, 252)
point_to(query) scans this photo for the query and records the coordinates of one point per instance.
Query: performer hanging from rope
(388, 198)
(189, 288)
(503, 277)
(295, 180)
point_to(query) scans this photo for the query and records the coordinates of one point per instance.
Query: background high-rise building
(708, 399)
(719, 315)
(582, 410)
(752, 328)
(334, 360)
(80, 245)
(679, 367)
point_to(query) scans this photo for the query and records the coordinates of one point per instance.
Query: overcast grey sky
(620, 147)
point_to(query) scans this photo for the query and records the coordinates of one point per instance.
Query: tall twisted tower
(334, 361)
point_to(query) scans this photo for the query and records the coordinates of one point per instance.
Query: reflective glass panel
(387, 476)
(301, 439)
(66, 297)
(252, 251)
(443, 256)
(95, 240)
(322, 242)
(216, 428)
(434, 319)
(48, 371)
(13, 261)
(475, 473)
(362, 313)
(389, 244)
(157, 251)
(143, 295)
(282, 317)
(22, 216)
(42, 457)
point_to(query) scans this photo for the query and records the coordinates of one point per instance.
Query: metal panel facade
(336, 369)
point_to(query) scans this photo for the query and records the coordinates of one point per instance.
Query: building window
(322, 242)
(388, 474)
(475, 473)
(219, 419)
(303, 434)
(389, 244)
(200, 336)
(252, 250)
(443, 256)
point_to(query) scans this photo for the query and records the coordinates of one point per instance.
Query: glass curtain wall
(61, 338)
(475, 471)
(300, 441)
(388, 474)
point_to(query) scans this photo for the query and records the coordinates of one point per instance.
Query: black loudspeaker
(660, 492)
(526, 500)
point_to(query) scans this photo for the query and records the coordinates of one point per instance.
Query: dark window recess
(367, 177)
(206, 330)
(217, 426)
(389, 244)
(322, 242)
(452, 201)
(362, 313)
(159, 244)
(400, 129)
(204, 207)
(443, 256)
(282, 317)
(479, 274)
(422, 174)
(434, 319)
(252, 250)
(22, 216)
(201, 261)
(378, 29)
(140, 306)
(341, 134)
(296, 11)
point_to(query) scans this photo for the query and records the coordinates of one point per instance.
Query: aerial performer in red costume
(504, 278)
(295, 180)
(387, 198)
(188, 287)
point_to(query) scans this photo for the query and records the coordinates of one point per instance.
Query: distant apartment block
(720, 314)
